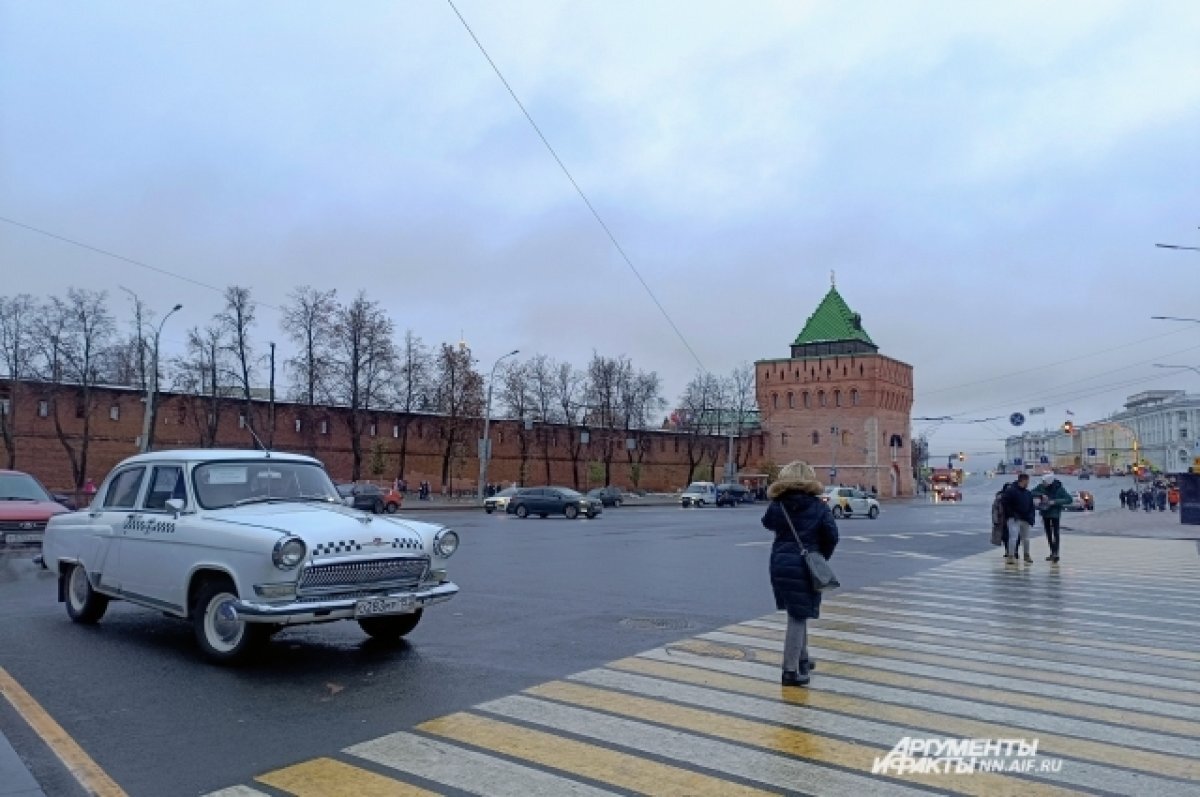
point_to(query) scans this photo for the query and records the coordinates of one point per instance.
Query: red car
(25, 506)
(947, 492)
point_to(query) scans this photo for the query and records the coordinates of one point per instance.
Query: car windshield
(567, 492)
(696, 488)
(224, 484)
(21, 487)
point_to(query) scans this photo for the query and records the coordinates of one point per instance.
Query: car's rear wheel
(390, 628)
(223, 637)
(617, 502)
(873, 512)
(84, 604)
(377, 506)
(838, 513)
(392, 507)
(571, 511)
(522, 510)
(489, 509)
(543, 515)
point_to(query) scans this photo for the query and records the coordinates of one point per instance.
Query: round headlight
(289, 552)
(445, 543)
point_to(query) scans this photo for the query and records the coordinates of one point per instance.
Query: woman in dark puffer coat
(798, 493)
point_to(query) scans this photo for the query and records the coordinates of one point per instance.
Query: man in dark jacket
(1052, 499)
(1019, 509)
(797, 511)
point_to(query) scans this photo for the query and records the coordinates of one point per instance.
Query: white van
(699, 494)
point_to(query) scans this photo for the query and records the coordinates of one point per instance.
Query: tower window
(837, 398)
(821, 398)
(816, 438)
(774, 401)
(791, 401)
(854, 397)
(783, 438)
(807, 400)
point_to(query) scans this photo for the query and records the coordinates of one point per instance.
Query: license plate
(14, 538)
(394, 604)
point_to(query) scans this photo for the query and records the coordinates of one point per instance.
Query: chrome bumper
(335, 609)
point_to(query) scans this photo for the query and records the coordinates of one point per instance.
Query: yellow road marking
(591, 761)
(1005, 697)
(1032, 668)
(1049, 744)
(91, 777)
(1065, 639)
(789, 741)
(325, 777)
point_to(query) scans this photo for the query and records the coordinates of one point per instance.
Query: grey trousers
(795, 644)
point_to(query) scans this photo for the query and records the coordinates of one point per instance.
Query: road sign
(1037, 410)
(1016, 419)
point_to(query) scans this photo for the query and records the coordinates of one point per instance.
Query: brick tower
(838, 404)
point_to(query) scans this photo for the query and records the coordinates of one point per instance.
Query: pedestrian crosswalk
(1097, 658)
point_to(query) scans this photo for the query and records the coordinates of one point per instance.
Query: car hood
(30, 510)
(332, 528)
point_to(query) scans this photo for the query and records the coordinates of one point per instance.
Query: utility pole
(485, 443)
(271, 399)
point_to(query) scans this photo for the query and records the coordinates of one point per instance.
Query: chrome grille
(340, 577)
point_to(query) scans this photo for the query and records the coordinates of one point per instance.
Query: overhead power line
(607, 231)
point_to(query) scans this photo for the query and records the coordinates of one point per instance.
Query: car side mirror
(176, 505)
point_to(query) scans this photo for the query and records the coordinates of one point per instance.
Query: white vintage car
(243, 543)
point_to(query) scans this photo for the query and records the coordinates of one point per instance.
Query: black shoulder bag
(822, 574)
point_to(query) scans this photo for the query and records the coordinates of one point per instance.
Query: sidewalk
(1126, 523)
(15, 778)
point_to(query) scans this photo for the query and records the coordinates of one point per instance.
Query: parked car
(732, 495)
(25, 508)
(1081, 500)
(546, 501)
(243, 543)
(500, 500)
(849, 502)
(699, 494)
(608, 496)
(1083, 474)
(370, 498)
(66, 500)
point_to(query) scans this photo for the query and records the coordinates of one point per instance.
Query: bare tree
(540, 372)
(17, 314)
(74, 333)
(362, 358)
(698, 406)
(640, 398)
(607, 378)
(198, 375)
(740, 390)
(516, 395)
(569, 390)
(135, 353)
(236, 321)
(411, 389)
(308, 323)
(459, 399)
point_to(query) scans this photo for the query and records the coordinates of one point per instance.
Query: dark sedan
(546, 501)
(367, 497)
(609, 496)
(732, 495)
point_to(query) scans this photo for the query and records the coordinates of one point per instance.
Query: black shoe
(1054, 558)
(795, 678)
(808, 665)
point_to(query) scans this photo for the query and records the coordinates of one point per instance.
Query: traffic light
(1068, 427)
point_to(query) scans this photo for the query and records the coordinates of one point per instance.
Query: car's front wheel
(873, 512)
(222, 636)
(84, 604)
(390, 628)
(838, 513)
(377, 507)
(522, 511)
(571, 511)
(392, 507)
(617, 502)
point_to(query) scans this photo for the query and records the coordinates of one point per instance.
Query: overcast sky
(987, 179)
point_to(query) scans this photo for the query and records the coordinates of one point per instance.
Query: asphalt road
(540, 599)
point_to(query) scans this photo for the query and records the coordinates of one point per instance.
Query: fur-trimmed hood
(778, 489)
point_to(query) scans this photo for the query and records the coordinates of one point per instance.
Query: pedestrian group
(1015, 510)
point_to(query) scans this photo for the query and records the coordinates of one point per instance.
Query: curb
(15, 777)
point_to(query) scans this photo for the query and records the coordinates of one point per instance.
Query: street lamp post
(152, 388)
(1185, 367)
(485, 443)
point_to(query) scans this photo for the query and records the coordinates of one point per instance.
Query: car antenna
(266, 450)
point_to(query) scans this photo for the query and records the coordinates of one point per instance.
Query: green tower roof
(833, 321)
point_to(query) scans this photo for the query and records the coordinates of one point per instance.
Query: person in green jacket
(1051, 498)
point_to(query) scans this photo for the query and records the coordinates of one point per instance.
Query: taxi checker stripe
(733, 730)
(872, 729)
(914, 718)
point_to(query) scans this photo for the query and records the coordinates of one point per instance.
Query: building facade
(838, 404)
(1164, 423)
